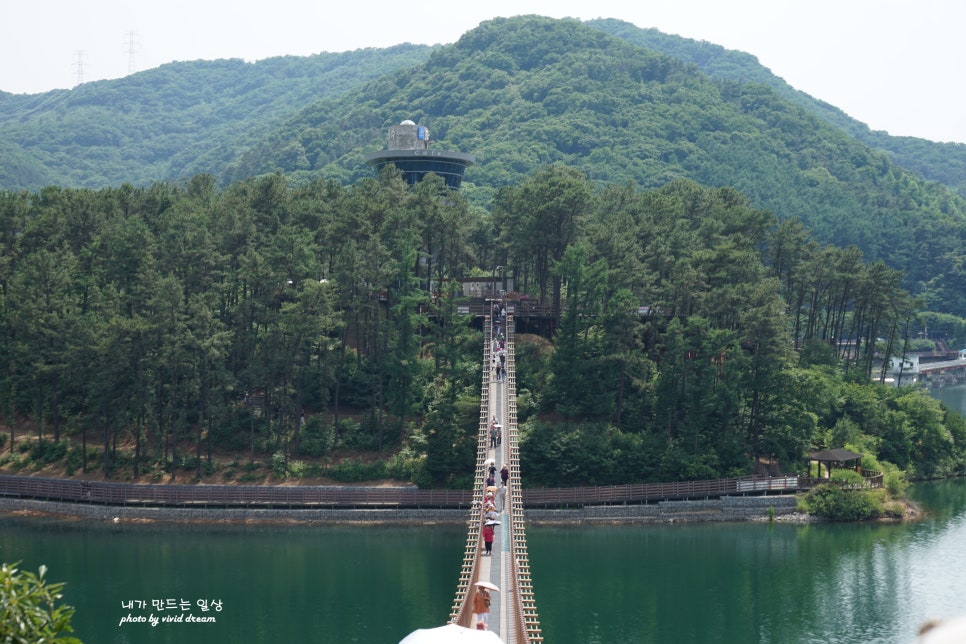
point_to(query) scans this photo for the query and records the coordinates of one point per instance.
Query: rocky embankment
(731, 508)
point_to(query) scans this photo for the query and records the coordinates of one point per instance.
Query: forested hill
(189, 117)
(518, 93)
(172, 122)
(943, 162)
(525, 92)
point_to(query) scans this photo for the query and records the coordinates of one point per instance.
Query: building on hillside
(409, 151)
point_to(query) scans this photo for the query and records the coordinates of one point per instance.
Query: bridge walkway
(513, 612)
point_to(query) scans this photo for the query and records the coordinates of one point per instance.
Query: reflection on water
(754, 582)
(602, 584)
(953, 395)
(276, 584)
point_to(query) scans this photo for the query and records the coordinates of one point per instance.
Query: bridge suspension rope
(514, 617)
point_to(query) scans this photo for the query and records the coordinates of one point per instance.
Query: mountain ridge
(519, 93)
(944, 162)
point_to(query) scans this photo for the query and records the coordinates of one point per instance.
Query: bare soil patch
(227, 468)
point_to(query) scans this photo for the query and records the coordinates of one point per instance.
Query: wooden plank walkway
(513, 613)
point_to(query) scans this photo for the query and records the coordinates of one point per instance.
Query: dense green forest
(942, 162)
(525, 92)
(137, 323)
(216, 109)
(617, 102)
(249, 254)
(170, 123)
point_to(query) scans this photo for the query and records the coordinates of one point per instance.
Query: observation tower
(409, 151)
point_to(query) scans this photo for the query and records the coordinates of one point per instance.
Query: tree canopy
(615, 102)
(146, 330)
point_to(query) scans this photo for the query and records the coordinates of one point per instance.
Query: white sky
(894, 65)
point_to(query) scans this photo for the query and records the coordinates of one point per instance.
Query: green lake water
(608, 584)
(701, 583)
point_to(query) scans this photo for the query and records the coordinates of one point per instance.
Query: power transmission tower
(79, 66)
(131, 47)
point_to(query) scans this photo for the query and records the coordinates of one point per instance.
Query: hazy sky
(894, 65)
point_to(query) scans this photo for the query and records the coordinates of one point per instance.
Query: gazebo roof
(833, 456)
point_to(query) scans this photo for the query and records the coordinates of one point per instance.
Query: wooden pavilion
(841, 458)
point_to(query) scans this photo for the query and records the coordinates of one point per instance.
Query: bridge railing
(460, 613)
(525, 615)
(521, 308)
(275, 496)
(299, 496)
(871, 479)
(644, 492)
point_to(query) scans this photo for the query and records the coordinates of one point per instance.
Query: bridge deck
(513, 613)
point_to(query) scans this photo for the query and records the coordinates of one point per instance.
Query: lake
(742, 582)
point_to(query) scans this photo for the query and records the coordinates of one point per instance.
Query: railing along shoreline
(299, 496)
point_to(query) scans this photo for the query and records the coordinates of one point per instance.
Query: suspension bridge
(513, 611)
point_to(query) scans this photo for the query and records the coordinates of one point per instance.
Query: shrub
(847, 478)
(234, 430)
(28, 610)
(838, 504)
(407, 466)
(314, 470)
(75, 460)
(189, 463)
(279, 469)
(354, 471)
(317, 438)
(365, 436)
(893, 510)
(894, 479)
(296, 469)
(527, 404)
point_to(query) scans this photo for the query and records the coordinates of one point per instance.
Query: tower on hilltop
(409, 151)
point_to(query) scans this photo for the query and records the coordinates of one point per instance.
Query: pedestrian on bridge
(488, 534)
(492, 518)
(481, 608)
(505, 474)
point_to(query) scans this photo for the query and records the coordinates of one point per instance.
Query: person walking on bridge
(481, 608)
(488, 535)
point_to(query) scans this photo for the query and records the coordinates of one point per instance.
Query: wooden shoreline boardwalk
(513, 611)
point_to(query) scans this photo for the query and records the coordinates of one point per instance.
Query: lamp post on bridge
(493, 279)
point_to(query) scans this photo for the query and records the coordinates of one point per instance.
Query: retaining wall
(731, 508)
